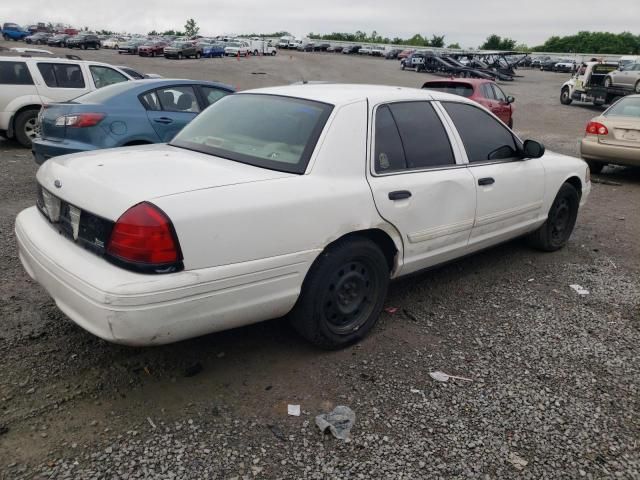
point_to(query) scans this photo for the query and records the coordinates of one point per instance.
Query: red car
(406, 53)
(485, 92)
(151, 49)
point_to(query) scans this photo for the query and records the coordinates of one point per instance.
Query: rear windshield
(269, 131)
(627, 107)
(456, 88)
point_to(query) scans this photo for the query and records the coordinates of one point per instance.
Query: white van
(284, 41)
(27, 83)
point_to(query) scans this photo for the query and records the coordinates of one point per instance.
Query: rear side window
(15, 73)
(150, 101)
(178, 99)
(103, 76)
(61, 75)
(424, 140)
(485, 138)
(389, 154)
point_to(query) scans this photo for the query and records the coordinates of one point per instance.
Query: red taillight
(144, 235)
(596, 128)
(80, 120)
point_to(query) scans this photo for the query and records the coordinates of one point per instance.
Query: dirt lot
(555, 390)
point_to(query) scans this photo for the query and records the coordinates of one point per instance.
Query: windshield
(627, 107)
(268, 131)
(233, 44)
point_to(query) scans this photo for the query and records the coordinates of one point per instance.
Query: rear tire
(180, 56)
(565, 97)
(595, 167)
(25, 127)
(556, 230)
(637, 87)
(343, 294)
(198, 55)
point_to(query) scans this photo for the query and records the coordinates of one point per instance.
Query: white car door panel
(510, 190)
(418, 186)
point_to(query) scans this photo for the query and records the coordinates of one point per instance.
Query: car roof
(343, 94)
(147, 83)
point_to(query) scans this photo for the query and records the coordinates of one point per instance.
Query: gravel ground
(554, 376)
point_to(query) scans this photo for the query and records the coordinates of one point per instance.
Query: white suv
(27, 83)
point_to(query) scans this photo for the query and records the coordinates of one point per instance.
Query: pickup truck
(588, 85)
(12, 31)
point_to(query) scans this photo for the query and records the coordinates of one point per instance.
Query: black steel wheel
(343, 294)
(556, 230)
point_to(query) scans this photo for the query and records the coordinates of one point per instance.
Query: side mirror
(510, 99)
(533, 149)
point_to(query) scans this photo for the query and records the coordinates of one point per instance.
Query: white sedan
(302, 200)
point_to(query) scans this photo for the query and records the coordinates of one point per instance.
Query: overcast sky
(467, 22)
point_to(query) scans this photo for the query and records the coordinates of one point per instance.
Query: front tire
(556, 230)
(565, 97)
(198, 55)
(343, 294)
(180, 56)
(637, 87)
(25, 127)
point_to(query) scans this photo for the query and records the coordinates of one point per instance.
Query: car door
(169, 109)
(510, 190)
(503, 107)
(490, 100)
(419, 184)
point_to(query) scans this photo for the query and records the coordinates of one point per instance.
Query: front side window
(268, 131)
(485, 138)
(212, 95)
(487, 91)
(15, 73)
(103, 76)
(178, 99)
(61, 75)
(499, 94)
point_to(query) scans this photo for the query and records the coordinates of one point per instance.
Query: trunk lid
(108, 182)
(47, 120)
(623, 131)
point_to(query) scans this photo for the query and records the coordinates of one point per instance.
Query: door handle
(399, 195)
(164, 120)
(486, 181)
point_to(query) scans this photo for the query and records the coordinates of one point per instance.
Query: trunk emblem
(57, 184)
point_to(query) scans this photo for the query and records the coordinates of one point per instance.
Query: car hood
(108, 182)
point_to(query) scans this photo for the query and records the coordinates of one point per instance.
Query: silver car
(629, 77)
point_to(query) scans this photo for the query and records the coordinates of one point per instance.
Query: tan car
(614, 136)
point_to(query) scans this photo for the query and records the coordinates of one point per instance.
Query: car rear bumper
(43, 149)
(136, 309)
(591, 149)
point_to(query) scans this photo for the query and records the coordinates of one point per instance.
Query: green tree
(190, 28)
(496, 42)
(437, 41)
(454, 46)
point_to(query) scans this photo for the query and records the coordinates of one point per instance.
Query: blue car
(212, 50)
(128, 113)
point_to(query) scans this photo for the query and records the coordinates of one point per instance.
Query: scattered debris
(193, 370)
(4, 429)
(153, 425)
(517, 461)
(579, 290)
(415, 390)
(146, 370)
(410, 315)
(339, 422)
(391, 310)
(443, 377)
(277, 432)
(293, 410)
